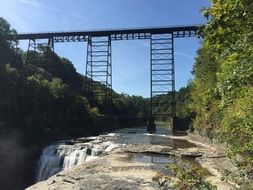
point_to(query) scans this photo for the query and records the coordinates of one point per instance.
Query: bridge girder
(116, 34)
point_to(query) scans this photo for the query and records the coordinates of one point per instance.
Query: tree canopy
(223, 84)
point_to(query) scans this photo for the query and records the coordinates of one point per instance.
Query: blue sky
(130, 58)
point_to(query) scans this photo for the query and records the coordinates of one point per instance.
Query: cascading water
(63, 155)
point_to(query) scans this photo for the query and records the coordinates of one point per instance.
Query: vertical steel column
(48, 51)
(31, 52)
(173, 107)
(50, 44)
(15, 45)
(99, 66)
(88, 74)
(162, 74)
(109, 70)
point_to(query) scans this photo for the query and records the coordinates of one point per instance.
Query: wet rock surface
(120, 168)
(108, 172)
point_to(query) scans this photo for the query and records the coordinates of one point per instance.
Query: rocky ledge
(109, 172)
(115, 170)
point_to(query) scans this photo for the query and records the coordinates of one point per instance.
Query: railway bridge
(99, 57)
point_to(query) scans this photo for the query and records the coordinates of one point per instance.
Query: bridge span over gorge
(99, 56)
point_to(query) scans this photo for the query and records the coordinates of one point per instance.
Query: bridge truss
(99, 57)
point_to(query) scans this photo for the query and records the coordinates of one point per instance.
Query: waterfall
(66, 154)
(63, 155)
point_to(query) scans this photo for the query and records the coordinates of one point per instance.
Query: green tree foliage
(183, 103)
(184, 177)
(223, 84)
(131, 110)
(204, 94)
(39, 103)
(7, 45)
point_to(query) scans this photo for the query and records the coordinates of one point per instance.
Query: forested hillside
(222, 90)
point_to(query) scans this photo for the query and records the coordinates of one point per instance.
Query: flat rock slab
(115, 171)
(146, 148)
(110, 172)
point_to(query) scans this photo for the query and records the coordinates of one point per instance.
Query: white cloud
(184, 54)
(146, 44)
(39, 5)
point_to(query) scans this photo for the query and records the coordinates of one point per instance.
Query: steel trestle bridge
(99, 56)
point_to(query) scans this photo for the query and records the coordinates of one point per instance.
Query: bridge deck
(116, 34)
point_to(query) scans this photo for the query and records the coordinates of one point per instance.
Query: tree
(223, 82)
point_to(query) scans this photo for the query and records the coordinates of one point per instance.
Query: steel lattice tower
(162, 74)
(99, 66)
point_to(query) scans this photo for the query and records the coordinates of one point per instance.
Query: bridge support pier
(151, 127)
(31, 52)
(162, 76)
(99, 66)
